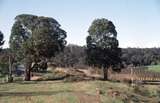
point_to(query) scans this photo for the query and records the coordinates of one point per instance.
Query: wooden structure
(135, 75)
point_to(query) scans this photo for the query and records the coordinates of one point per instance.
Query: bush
(54, 76)
(4, 69)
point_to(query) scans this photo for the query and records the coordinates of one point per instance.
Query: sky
(137, 21)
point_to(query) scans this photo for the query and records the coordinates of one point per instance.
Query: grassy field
(65, 91)
(155, 68)
(77, 92)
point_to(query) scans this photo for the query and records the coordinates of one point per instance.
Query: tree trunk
(10, 78)
(105, 73)
(28, 70)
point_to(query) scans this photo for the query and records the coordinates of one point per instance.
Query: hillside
(77, 92)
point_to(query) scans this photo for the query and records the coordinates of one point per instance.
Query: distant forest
(75, 56)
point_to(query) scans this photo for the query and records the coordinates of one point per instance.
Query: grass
(76, 92)
(61, 91)
(155, 68)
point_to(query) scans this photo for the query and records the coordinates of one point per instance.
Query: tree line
(75, 56)
(38, 39)
(140, 56)
(129, 56)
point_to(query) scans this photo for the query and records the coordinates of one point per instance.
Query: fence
(134, 74)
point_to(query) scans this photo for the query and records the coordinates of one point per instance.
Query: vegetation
(155, 68)
(77, 92)
(72, 56)
(38, 41)
(4, 62)
(1, 39)
(35, 39)
(102, 45)
(141, 56)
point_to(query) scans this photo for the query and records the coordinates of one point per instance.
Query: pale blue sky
(137, 21)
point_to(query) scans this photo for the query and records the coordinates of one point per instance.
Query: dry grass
(77, 92)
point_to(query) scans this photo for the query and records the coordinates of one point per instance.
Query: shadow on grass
(33, 93)
(33, 82)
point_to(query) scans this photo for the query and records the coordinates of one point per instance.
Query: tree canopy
(72, 56)
(1, 39)
(36, 37)
(140, 56)
(102, 44)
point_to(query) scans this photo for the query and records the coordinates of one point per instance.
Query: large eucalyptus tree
(35, 38)
(102, 45)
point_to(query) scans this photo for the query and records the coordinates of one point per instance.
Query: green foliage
(102, 44)
(4, 65)
(36, 36)
(3, 69)
(140, 56)
(1, 39)
(76, 92)
(34, 39)
(72, 56)
(155, 68)
(16, 40)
